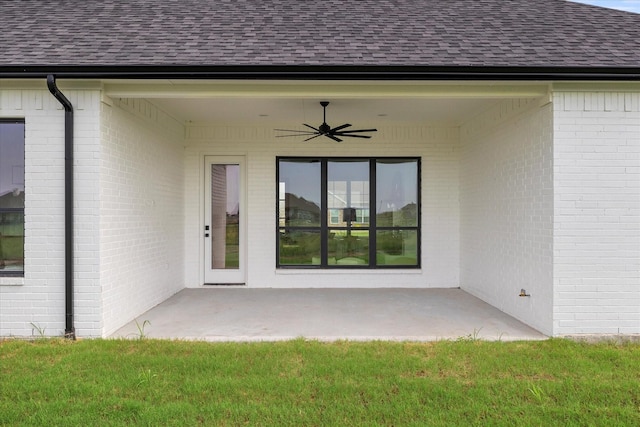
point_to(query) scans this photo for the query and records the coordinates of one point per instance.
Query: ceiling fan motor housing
(324, 128)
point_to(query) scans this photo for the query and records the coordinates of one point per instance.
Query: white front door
(224, 220)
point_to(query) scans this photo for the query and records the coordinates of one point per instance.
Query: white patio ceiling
(298, 102)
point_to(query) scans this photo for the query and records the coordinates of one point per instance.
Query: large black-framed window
(348, 212)
(12, 197)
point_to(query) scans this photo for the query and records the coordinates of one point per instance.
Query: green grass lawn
(445, 383)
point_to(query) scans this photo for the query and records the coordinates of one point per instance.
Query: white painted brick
(597, 200)
(141, 210)
(42, 289)
(507, 209)
(521, 196)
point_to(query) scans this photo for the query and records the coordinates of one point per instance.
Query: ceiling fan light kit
(325, 130)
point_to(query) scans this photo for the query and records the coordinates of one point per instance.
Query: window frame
(17, 273)
(325, 221)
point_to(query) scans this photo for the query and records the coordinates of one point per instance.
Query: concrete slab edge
(335, 339)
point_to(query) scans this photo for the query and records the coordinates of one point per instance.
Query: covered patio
(483, 222)
(244, 314)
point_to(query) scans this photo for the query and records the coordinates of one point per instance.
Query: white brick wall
(141, 209)
(38, 298)
(597, 212)
(438, 147)
(545, 198)
(506, 200)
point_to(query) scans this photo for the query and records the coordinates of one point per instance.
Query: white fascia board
(41, 84)
(315, 89)
(596, 86)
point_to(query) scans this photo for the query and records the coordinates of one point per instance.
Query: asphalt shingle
(498, 33)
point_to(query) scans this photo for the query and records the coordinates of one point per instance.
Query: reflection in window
(335, 216)
(11, 197)
(225, 216)
(299, 193)
(348, 191)
(335, 229)
(397, 247)
(299, 247)
(348, 247)
(362, 216)
(397, 193)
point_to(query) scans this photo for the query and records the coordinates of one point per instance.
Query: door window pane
(225, 216)
(11, 197)
(397, 193)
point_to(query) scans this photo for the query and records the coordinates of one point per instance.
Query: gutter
(330, 72)
(69, 330)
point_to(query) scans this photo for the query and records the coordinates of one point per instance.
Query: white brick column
(597, 212)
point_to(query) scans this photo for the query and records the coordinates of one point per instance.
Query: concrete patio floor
(242, 314)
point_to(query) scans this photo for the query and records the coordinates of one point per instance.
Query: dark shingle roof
(450, 33)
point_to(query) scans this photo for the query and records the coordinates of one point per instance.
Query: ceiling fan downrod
(324, 127)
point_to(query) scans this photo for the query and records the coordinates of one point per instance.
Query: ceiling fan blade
(298, 134)
(358, 130)
(312, 137)
(309, 126)
(328, 135)
(353, 136)
(339, 127)
(294, 130)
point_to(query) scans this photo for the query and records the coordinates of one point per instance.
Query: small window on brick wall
(11, 197)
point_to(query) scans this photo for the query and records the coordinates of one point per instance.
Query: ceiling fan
(325, 130)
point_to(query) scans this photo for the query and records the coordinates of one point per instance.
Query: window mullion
(324, 212)
(372, 213)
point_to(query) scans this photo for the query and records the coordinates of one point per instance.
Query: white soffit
(298, 102)
(297, 111)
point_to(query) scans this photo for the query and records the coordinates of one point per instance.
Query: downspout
(69, 330)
